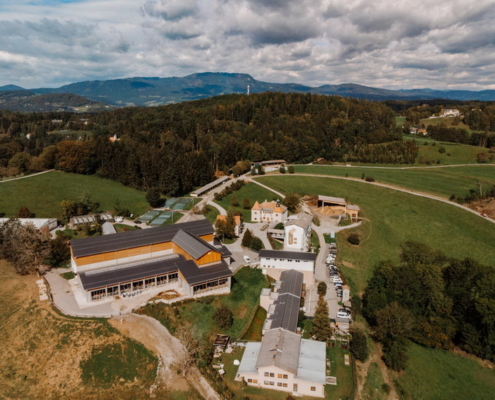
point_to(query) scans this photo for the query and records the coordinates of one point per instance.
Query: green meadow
(438, 181)
(390, 219)
(42, 194)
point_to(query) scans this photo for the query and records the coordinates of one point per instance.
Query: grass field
(49, 356)
(447, 121)
(373, 387)
(242, 300)
(391, 218)
(251, 191)
(439, 181)
(441, 375)
(42, 194)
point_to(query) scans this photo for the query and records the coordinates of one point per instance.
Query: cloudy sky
(382, 43)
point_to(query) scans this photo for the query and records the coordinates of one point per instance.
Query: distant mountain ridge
(152, 91)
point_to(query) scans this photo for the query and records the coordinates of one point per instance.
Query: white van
(343, 314)
(247, 259)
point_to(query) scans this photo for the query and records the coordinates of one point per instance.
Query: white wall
(296, 238)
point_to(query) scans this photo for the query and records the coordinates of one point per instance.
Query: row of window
(282, 259)
(280, 376)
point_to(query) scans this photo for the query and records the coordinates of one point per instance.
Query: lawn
(242, 300)
(254, 332)
(251, 191)
(42, 194)
(343, 373)
(211, 214)
(373, 388)
(438, 374)
(447, 121)
(439, 181)
(124, 228)
(391, 218)
(455, 153)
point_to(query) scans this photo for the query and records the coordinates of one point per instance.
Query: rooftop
(337, 200)
(193, 245)
(302, 219)
(209, 186)
(140, 237)
(281, 349)
(312, 359)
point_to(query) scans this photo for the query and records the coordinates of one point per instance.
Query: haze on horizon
(389, 44)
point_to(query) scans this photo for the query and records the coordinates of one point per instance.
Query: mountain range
(141, 91)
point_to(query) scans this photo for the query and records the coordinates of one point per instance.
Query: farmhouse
(269, 211)
(284, 361)
(274, 262)
(297, 230)
(182, 255)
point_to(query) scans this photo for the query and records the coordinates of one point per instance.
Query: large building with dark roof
(183, 255)
(274, 262)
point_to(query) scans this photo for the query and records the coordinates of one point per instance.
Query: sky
(381, 43)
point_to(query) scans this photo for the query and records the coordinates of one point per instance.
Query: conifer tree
(321, 321)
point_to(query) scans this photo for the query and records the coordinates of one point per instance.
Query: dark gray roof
(140, 237)
(209, 186)
(194, 274)
(193, 245)
(286, 312)
(115, 275)
(291, 281)
(288, 255)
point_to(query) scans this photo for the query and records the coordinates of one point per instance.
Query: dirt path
(27, 176)
(158, 339)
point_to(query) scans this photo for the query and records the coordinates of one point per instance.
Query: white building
(298, 232)
(284, 361)
(274, 262)
(268, 211)
(42, 224)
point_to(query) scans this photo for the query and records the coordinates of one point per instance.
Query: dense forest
(178, 147)
(433, 300)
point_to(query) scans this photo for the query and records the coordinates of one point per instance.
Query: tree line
(433, 300)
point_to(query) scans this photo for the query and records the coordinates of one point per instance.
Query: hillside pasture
(42, 194)
(391, 218)
(442, 182)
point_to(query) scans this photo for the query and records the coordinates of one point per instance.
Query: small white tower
(248, 90)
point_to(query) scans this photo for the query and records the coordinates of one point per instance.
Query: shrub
(369, 179)
(322, 289)
(246, 203)
(395, 356)
(224, 317)
(354, 239)
(291, 170)
(234, 202)
(282, 170)
(359, 345)
(441, 149)
(256, 244)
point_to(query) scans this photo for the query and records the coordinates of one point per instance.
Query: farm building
(212, 185)
(337, 206)
(42, 224)
(89, 219)
(182, 255)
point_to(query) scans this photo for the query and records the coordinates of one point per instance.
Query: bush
(282, 170)
(224, 317)
(234, 202)
(369, 179)
(291, 170)
(354, 239)
(322, 289)
(246, 203)
(256, 244)
(441, 150)
(359, 345)
(395, 355)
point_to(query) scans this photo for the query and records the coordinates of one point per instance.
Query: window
(279, 376)
(272, 383)
(279, 384)
(255, 380)
(313, 388)
(284, 384)
(267, 259)
(272, 375)
(250, 381)
(267, 374)
(298, 260)
(286, 376)
(289, 260)
(266, 383)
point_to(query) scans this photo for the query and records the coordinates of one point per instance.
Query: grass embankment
(254, 332)
(242, 301)
(46, 355)
(391, 218)
(438, 181)
(250, 191)
(434, 374)
(42, 194)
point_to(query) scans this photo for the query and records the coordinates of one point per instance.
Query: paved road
(424, 167)
(399, 189)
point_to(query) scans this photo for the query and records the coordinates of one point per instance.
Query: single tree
(291, 170)
(247, 238)
(246, 203)
(359, 345)
(256, 244)
(322, 289)
(292, 201)
(321, 321)
(24, 213)
(154, 197)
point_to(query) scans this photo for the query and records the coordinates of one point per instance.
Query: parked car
(337, 279)
(247, 259)
(342, 314)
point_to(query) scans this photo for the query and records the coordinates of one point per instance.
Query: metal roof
(137, 238)
(338, 200)
(312, 358)
(193, 245)
(249, 358)
(303, 220)
(287, 255)
(194, 274)
(133, 271)
(353, 207)
(209, 186)
(108, 229)
(291, 281)
(280, 348)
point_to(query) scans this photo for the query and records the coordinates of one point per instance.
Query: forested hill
(180, 146)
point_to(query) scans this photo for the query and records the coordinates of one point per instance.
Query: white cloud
(385, 43)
